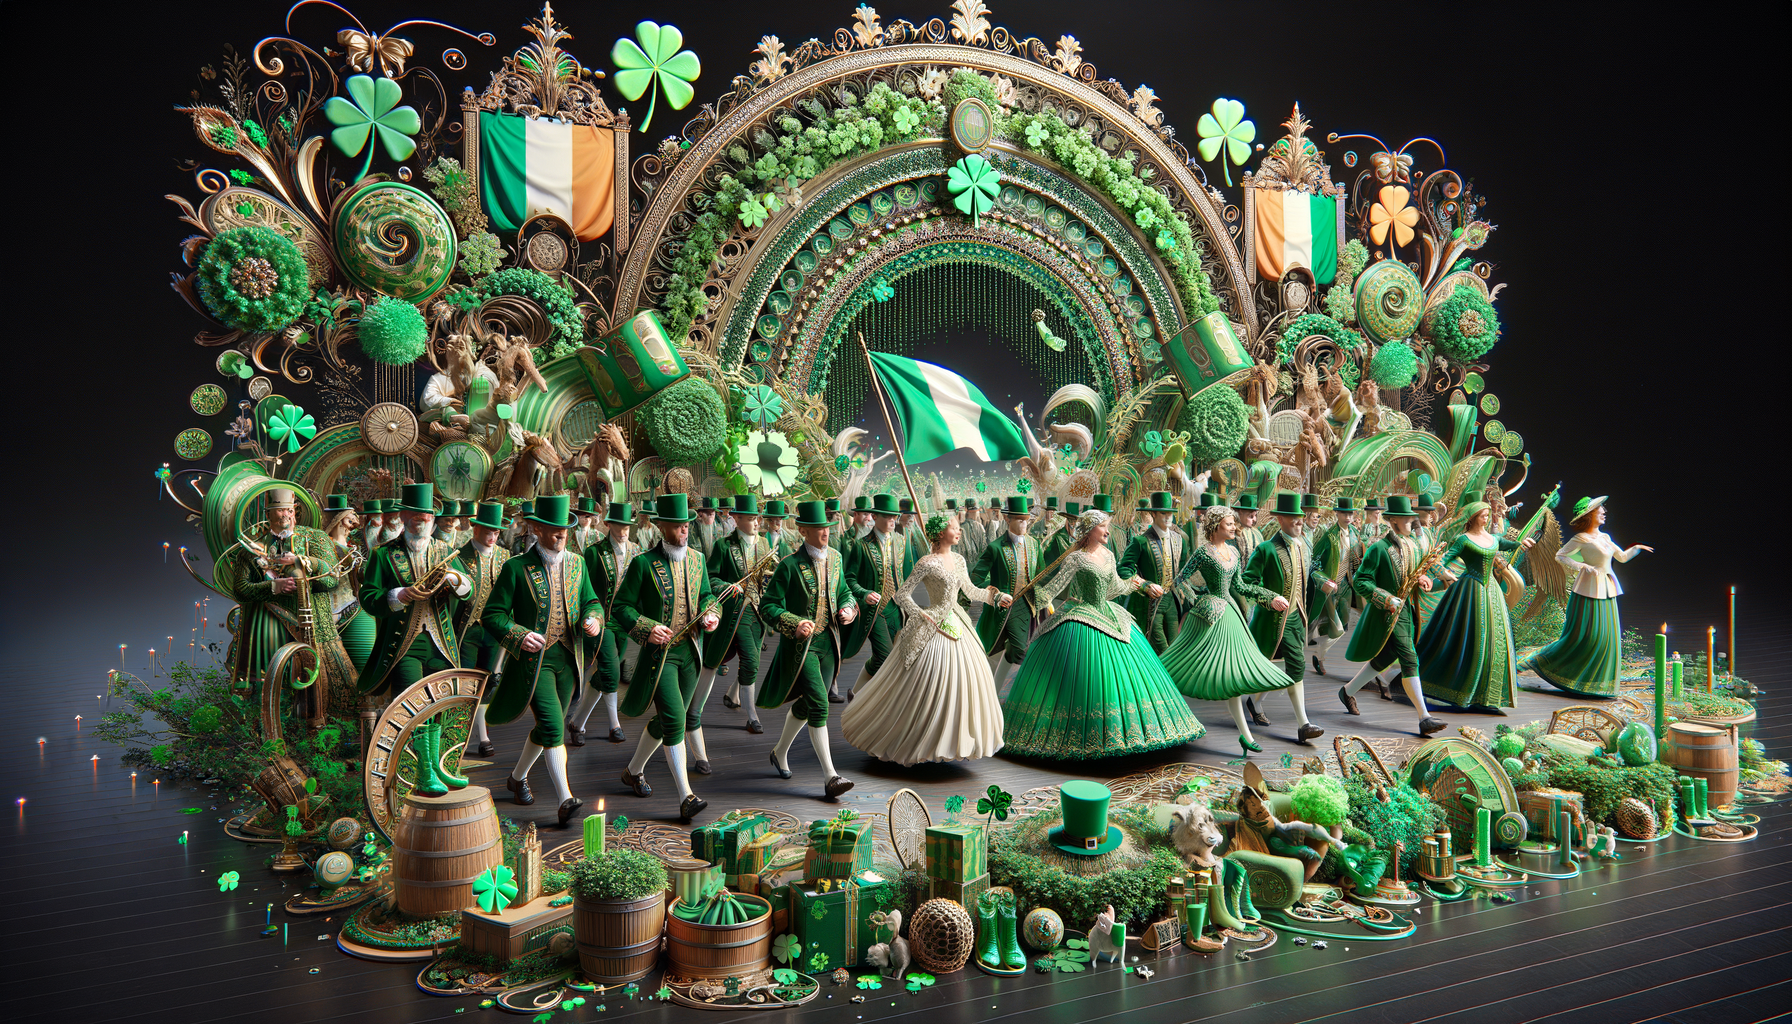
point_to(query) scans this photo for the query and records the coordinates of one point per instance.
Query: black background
(1632, 163)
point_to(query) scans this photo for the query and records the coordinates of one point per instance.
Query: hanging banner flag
(528, 166)
(1295, 229)
(942, 412)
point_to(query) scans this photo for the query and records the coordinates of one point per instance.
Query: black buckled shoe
(729, 702)
(754, 726)
(834, 696)
(1309, 732)
(568, 807)
(1318, 664)
(836, 786)
(575, 737)
(1429, 725)
(1257, 717)
(692, 806)
(519, 791)
(700, 766)
(1349, 700)
(617, 735)
(783, 773)
(637, 782)
(484, 749)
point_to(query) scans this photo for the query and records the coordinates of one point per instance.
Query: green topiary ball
(687, 423)
(393, 332)
(252, 279)
(1319, 800)
(1217, 423)
(1394, 365)
(1465, 326)
(1510, 744)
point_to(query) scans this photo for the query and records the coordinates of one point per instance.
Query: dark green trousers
(674, 714)
(481, 656)
(810, 691)
(1165, 624)
(886, 622)
(606, 655)
(1399, 648)
(555, 689)
(1293, 648)
(748, 642)
(420, 660)
(1017, 626)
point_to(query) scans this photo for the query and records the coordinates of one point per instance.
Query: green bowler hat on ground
(1085, 829)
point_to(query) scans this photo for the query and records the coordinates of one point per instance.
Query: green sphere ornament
(1043, 929)
(393, 332)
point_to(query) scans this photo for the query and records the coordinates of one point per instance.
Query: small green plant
(618, 874)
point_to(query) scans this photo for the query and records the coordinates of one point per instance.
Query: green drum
(1462, 778)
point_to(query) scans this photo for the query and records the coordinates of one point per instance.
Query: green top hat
(1051, 502)
(706, 504)
(372, 507)
(1209, 499)
(832, 505)
(1424, 504)
(587, 506)
(418, 498)
(1309, 503)
(1102, 503)
(527, 509)
(1085, 829)
(861, 503)
(906, 506)
(776, 509)
(1345, 504)
(725, 504)
(1140, 504)
(1245, 502)
(553, 510)
(490, 515)
(970, 503)
(620, 513)
(1287, 503)
(648, 507)
(1072, 509)
(885, 505)
(1019, 505)
(746, 505)
(811, 513)
(952, 504)
(335, 503)
(470, 508)
(1399, 505)
(388, 505)
(1372, 505)
(673, 508)
(1585, 505)
(1162, 501)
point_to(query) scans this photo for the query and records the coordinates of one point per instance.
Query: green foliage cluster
(797, 146)
(554, 298)
(1459, 336)
(618, 874)
(1217, 423)
(458, 193)
(1117, 178)
(1545, 628)
(1394, 365)
(966, 83)
(1698, 703)
(1408, 817)
(1340, 298)
(238, 309)
(1603, 782)
(1309, 324)
(393, 332)
(1319, 800)
(687, 423)
(1139, 894)
(480, 254)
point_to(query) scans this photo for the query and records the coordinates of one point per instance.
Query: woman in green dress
(1584, 659)
(1465, 651)
(1090, 685)
(1215, 657)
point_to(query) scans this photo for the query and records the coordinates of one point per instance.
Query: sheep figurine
(892, 957)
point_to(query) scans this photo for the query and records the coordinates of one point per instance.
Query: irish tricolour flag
(1296, 229)
(941, 412)
(529, 166)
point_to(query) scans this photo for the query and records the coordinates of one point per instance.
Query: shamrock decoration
(657, 60)
(1390, 213)
(954, 804)
(763, 406)
(767, 461)
(981, 487)
(995, 803)
(841, 462)
(787, 948)
(870, 981)
(292, 424)
(818, 963)
(228, 880)
(1166, 240)
(1226, 127)
(905, 119)
(919, 980)
(1152, 444)
(1429, 488)
(882, 290)
(494, 889)
(619, 824)
(1023, 485)
(973, 185)
(372, 110)
(664, 993)
(785, 976)
(1037, 134)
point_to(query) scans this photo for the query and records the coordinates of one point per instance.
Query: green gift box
(958, 852)
(838, 848)
(838, 921)
(777, 894)
(962, 893)
(722, 842)
(752, 860)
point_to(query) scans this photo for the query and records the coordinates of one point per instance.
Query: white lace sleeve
(1045, 593)
(905, 598)
(962, 577)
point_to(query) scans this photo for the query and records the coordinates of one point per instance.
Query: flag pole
(877, 388)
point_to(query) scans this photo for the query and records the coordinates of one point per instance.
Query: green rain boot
(1247, 911)
(988, 952)
(453, 781)
(1007, 929)
(429, 781)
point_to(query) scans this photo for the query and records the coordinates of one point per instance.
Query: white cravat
(551, 559)
(677, 553)
(819, 554)
(1015, 538)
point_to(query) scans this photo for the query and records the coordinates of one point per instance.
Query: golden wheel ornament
(389, 428)
(389, 772)
(908, 821)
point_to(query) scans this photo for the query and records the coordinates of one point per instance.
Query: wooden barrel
(721, 950)
(619, 940)
(1705, 752)
(439, 846)
(282, 784)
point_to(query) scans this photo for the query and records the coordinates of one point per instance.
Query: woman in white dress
(934, 699)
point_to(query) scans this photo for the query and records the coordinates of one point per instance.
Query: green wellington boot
(1007, 932)
(453, 781)
(988, 952)
(1246, 909)
(429, 781)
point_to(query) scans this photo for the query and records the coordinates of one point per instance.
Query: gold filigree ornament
(865, 27)
(970, 24)
(361, 49)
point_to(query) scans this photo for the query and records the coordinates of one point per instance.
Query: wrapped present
(752, 860)
(722, 841)
(958, 852)
(839, 847)
(835, 918)
(1541, 806)
(776, 893)
(962, 893)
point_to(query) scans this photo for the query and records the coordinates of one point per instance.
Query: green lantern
(632, 365)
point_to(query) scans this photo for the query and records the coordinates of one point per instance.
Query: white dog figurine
(1107, 940)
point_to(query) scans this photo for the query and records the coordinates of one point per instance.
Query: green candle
(594, 833)
(1483, 837)
(1565, 838)
(1702, 791)
(1661, 682)
(1679, 671)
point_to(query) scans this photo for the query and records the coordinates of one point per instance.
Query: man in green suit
(666, 592)
(1245, 541)
(542, 600)
(1008, 564)
(1388, 629)
(606, 562)
(705, 531)
(414, 634)
(876, 568)
(1156, 555)
(1337, 552)
(484, 558)
(741, 557)
(1059, 542)
(266, 583)
(1283, 565)
(807, 601)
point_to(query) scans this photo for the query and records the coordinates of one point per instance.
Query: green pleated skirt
(1083, 694)
(1221, 661)
(357, 637)
(1584, 659)
(1465, 651)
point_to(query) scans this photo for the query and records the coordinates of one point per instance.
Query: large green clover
(657, 59)
(752, 212)
(494, 889)
(1226, 127)
(786, 948)
(1153, 443)
(973, 184)
(292, 424)
(768, 462)
(882, 290)
(995, 803)
(372, 109)
(763, 406)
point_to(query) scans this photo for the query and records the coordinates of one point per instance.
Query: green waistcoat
(392, 567)
(521, 604)
(1007, 569)
(660, 592)
(797, 593)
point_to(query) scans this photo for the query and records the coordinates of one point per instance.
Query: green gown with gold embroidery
(1465, 650)
(1091, 686)
(1215, 657)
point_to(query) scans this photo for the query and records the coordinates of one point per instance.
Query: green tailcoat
(729, 565)
(1007, 569)
(392, 567)
(1383, 572)
(865, 574)
(1146, 556)
(659, 592)
(1281, 565)
(521, 604)
(601, 565)
(1337, 552)
(794, 594)
(271, 620)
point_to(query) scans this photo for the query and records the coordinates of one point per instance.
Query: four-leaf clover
(228, 880)
(996, 802)
(973, 185)
(905, 120)
(657, 60)
(494, 889)
(292, 424)
(762, 405)
(919, 980)
(1226, 127)
(786, 948)
(1023, 485)
(1153, 444)
(1037, 134)
(372, 110)
(767, 461)
(1391, 213)
(752, 212)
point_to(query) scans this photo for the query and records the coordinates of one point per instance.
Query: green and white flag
(941, 412)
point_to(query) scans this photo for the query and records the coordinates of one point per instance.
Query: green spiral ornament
(1510, 830)
(395, 240)
(1389, 301)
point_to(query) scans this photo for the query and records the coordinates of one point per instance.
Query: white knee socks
(781, 749)
(818, 738)
(1239, 718)
(675, 761)
(531, 751)
(592, 700)
(1363, 677)
(1415, 692)
(695, 739)
(746, 700)
(479, 735)
(1297, 695)
(643, 751)
(557, 773)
